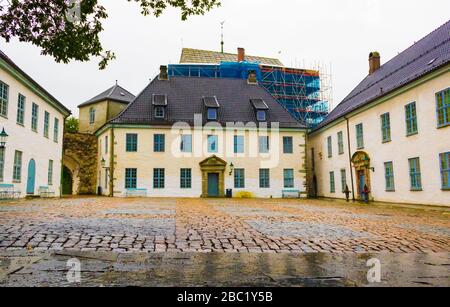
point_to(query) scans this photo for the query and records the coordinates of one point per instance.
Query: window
(386, 127)
(2, 164)
(445, 170)
(130, 178)
(131, 142)
(158, 178)
(340, 137)
(389, 175)
(186, 143)
(239, 178)
(106, 144)
(414, 174)
(343, 179)
(159, 143)
(359, 136)
(17, 169)
(330, 146)
(50, 172)
(4, 93)
(21, 110)
(34, 117)
(46, 123)
(332, 183)
(159, 112)
(186, 178)
(288, 146)
(288, 175)
(212, 143)
(239, 146)
(264, 144)
(212, 114)
(92, 115)
(261, 115)
(264, 178)
(411, 119)
(56, 130)
(443, 107)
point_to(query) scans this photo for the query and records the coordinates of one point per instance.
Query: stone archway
(361, 163)
(72, 168)
(67, 182)
(213, 173)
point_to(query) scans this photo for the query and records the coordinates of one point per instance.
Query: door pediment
(213, 161)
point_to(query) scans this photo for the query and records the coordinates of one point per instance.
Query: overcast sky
(299, 32)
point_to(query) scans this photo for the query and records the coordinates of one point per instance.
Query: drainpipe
(111, 164)
(62, 158)
(350, 158)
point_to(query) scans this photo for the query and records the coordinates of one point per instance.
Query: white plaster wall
(33, 144)
(427, 145)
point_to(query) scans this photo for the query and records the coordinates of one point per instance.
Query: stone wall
(80, 157)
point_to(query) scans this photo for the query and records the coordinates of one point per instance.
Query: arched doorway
(31, 179)
(71, 176)
(67, 182)
(361, 163)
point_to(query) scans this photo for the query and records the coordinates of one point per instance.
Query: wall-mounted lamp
(372, 169)
(231, 168)
(3, 138)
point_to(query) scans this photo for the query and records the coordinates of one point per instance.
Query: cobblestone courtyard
(220, 225)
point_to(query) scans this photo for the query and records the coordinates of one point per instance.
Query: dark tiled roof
(10, 62)
(428, 54)
(195, 56)
(185, 98)
(115, 93)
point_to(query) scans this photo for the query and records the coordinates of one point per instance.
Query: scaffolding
(299, 91)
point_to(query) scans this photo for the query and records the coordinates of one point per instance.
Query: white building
(30, 161)
(391, 134)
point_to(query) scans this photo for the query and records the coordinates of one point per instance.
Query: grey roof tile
(115, 93)
(185, 98)
(425, 56)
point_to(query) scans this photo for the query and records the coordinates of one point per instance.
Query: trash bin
(99, 191)
(229, 193)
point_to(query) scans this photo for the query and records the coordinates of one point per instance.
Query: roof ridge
(396, 70)
(230, 53)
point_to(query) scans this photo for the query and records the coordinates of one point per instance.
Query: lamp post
(3, 138)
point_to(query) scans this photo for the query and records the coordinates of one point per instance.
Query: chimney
(252, 77)
(374, 62)
(241, 55)
(163, 74)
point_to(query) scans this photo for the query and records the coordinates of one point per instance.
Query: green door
(213, 185)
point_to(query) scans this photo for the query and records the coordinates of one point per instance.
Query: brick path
(220, 225)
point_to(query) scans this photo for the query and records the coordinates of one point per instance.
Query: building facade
(199, 137)
(391, 136)
(34, 120)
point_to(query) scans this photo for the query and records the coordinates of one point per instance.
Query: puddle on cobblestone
(427, 229)
(305, 230)
(147, 227)
(139, 212)
(245, 212)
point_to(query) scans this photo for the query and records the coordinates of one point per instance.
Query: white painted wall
(427, 145)
(145, 160)
(33, 144)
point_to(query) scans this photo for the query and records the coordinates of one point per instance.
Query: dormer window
(212, 114)
(159, 106)
(261, 109)
(159, 112)
(212, 107)
(261, 116)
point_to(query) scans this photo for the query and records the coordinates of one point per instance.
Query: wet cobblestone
(220, 226)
